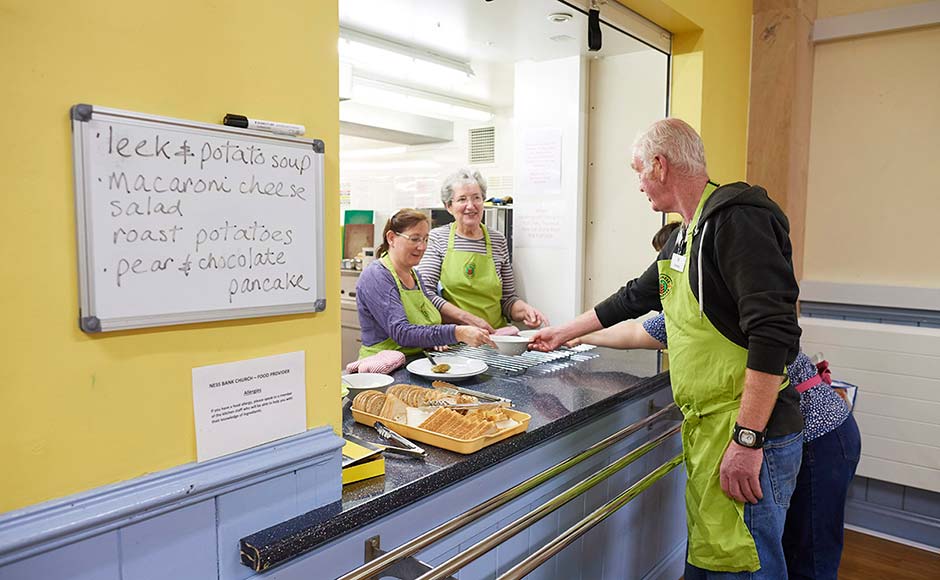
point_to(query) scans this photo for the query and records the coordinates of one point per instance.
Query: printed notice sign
(242, 404)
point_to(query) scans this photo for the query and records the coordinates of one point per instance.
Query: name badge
(677, 263)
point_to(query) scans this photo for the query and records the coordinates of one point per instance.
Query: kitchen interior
(427, 88)
(512, 90)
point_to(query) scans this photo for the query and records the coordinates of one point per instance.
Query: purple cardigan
(381, 314)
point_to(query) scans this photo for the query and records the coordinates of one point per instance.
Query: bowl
(510, 345)
(357, 382)
(527, 333)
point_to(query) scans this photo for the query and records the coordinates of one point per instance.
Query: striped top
(430, 266)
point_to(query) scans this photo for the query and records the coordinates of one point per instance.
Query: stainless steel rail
(544, 553)
(370, 569)
(475, 551)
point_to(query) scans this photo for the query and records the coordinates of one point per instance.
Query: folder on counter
(361, 462)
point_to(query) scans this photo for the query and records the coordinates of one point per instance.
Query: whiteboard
(180, 221)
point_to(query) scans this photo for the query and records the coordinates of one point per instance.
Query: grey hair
(462, 176)
(675, 140)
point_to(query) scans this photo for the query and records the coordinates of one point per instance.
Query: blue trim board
(866, 313)
(49, 525)
(904, 512)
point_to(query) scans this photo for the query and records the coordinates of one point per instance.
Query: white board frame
(89, 321)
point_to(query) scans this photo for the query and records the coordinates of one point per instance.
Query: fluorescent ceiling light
(390, 165)
(373, 152)
(381, 55)
(419, 102)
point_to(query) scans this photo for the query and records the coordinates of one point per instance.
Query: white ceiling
(491, 36)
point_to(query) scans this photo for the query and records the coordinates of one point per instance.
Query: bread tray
(465, 446)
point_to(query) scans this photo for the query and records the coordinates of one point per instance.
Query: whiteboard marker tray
(465, 446)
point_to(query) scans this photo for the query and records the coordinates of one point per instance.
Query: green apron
(470, 282)
(707, 375)
(418, 309)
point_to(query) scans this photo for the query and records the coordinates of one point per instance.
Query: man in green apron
(725, 283)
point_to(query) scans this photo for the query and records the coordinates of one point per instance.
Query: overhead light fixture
(416, 101)
(560, 17)
(370, 52)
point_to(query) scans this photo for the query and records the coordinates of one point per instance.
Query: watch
(748, 437)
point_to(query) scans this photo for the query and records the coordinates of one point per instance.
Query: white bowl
(510, 345)
(366, 381)
(527, 333)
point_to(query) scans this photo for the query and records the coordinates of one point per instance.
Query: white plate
(365, 381)
(460, 368)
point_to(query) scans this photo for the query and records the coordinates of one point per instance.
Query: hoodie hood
(740, 193)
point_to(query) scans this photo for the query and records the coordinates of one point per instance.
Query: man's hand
(547, 339)
(740, 473)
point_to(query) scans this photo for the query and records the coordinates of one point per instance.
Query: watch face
(747, 437)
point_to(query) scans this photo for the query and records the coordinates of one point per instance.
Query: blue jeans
(812, 537)
(765, 519)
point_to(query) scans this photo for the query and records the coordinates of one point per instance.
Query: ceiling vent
(482, 145)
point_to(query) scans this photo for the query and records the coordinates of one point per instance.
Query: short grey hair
(462, 176)
(675, 140)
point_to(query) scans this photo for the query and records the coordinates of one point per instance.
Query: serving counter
(573, 403)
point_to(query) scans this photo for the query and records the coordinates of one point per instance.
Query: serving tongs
(406, 446)
(455, 390)
(445, 404)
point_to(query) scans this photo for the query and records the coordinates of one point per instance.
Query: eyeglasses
(414, 239)
(464, 200)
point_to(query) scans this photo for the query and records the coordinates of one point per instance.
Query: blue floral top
(823, 410)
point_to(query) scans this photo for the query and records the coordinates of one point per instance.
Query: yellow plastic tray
(465, 446)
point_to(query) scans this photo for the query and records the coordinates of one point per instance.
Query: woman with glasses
(471, 262)
(394, 311)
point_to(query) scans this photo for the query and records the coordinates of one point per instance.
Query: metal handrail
(475, 551)
(370, 569)
(547, 551)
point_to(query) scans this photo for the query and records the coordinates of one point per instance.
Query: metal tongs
(444, 403)
(406, 446)
(455, 390)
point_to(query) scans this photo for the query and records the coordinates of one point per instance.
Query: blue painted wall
(185, 523)
(181, 524)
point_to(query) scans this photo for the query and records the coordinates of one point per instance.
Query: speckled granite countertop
(557, 395)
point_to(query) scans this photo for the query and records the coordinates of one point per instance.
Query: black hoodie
(748, 292)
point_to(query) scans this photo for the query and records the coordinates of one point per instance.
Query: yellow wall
(81, 411)
(712, 48)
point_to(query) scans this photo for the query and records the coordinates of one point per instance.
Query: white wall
(898, 406)
(628, 92)
(391, 176)
(548, 228)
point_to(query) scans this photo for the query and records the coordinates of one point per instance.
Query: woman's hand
(473, 336)
(473, 320)
(529, 315)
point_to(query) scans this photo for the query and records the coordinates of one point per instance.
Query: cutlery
(408, 448)
(453, 390)
(448, 405)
